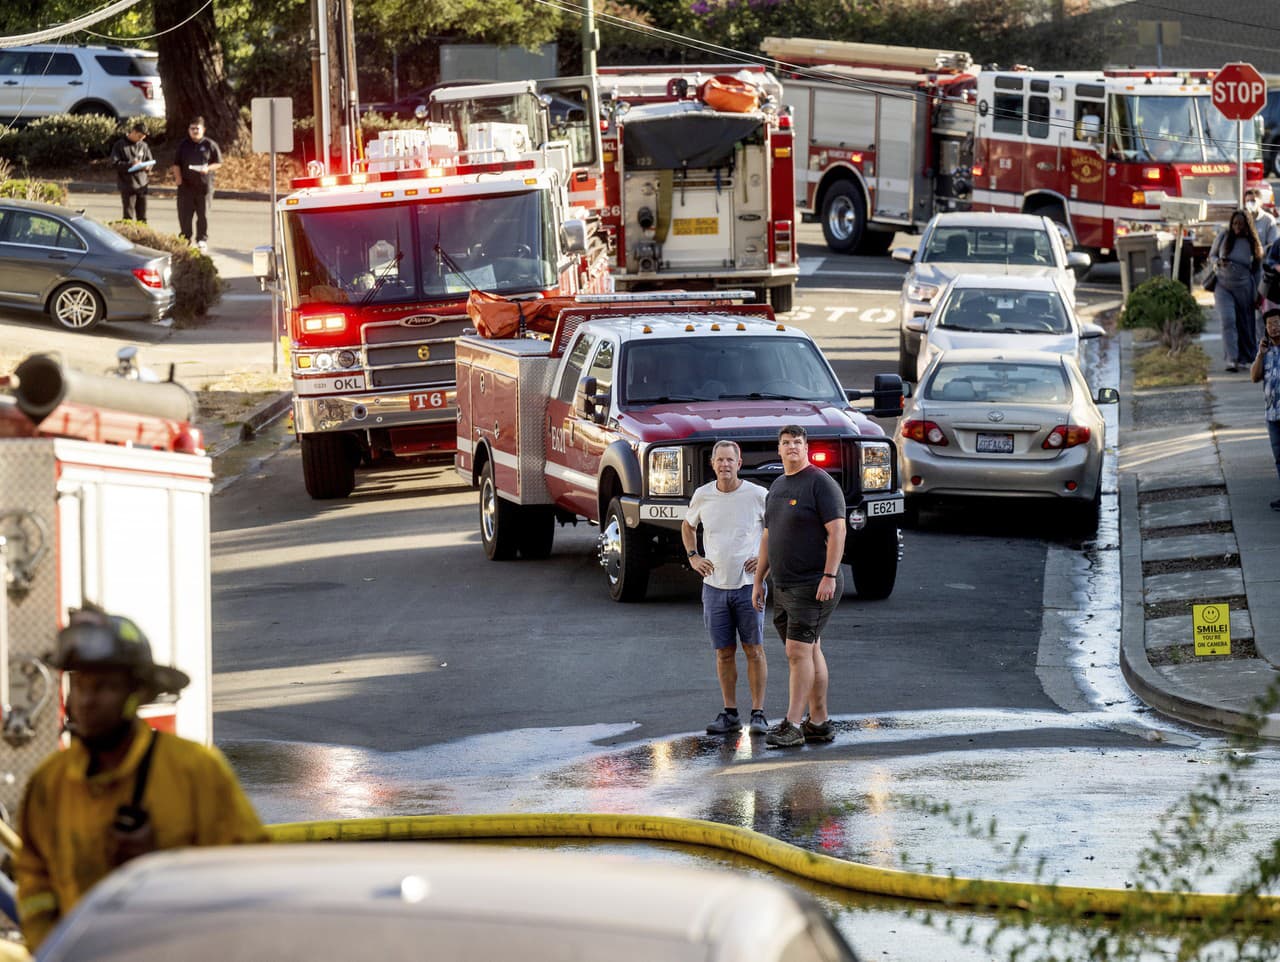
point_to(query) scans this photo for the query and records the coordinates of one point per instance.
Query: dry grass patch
(227, 400)
(1157, 366)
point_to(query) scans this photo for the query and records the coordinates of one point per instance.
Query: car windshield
(724, 368)
(102, 234)
(1177, 129)
(999, 311)
(999, 382)
(423, 251)
(989, 245)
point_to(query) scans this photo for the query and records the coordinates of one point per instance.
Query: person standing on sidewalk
(1263, 222)
(1266, 368)
(131, 157)
(731, 512)
(1236, 256)
(803, 546)
(194, 162)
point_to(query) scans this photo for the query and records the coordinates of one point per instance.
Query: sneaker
(784, 735)
(818, 733)
(202, 246)
(759, 724)
(163, 322)
(725, 723)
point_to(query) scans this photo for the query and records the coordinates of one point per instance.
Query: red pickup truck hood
(673, 422)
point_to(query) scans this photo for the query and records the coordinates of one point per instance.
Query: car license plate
(877, 509)
(995, 444)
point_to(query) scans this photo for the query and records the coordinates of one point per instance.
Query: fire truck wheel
(537, 532)
(873, 555)
(844, 217)
(782, 298)
(328, 466)
(77, 307)
(875, 243)
(499, 519)
(624, 556)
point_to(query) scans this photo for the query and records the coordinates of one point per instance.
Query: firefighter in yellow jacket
(120, 790)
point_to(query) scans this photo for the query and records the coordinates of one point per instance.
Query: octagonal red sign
(1239, 91)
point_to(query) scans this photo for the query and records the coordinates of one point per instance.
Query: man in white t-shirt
(731, 512)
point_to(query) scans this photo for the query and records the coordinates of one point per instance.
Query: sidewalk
(1196, 482)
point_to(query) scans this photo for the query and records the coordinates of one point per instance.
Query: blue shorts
(729, 615)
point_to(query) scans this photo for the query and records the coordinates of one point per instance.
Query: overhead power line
(53, 33)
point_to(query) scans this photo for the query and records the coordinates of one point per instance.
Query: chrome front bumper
(367, 412)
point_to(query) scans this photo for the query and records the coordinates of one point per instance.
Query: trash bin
(1142, 257)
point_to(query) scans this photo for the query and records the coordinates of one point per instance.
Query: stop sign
(1239, 91)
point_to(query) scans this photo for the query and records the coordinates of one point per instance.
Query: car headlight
(922, 292)
(877, 466)
(666, 472)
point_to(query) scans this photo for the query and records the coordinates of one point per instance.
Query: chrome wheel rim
(76, 308)
(841, 218)
(611, 549)
(488, 511)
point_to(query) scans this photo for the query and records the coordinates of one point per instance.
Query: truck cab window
(573, 368)
(602, 368)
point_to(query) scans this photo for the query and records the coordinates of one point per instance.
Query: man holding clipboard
(132, 160)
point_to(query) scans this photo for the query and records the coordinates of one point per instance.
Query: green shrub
(60, 140)
(45, 191)
(1160, 301)
(196, 285)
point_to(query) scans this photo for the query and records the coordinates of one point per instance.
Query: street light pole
(590, 39)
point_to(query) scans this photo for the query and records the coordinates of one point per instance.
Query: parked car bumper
(987, 477)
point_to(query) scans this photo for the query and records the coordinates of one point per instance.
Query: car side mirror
(573, 237)
(1108, 395)
(587, 403)
(1080, 262)
(887, 396)
(917, 324)
(1090, 330)
(420, 112)
(264, 263)
(903, 254)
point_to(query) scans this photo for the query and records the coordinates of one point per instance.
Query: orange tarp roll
(497, 317)
(729, 94)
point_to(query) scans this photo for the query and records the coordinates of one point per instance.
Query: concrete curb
(262, 415)
(161, 190)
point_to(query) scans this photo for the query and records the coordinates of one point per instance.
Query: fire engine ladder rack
(790, 49)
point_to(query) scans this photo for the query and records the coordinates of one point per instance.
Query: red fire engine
(376, 266)
(891, 135)
(699, 182)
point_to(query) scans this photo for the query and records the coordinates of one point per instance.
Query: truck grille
(400, 355)
(762, 465)
(1216, 190)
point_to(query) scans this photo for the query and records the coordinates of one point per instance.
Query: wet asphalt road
(370, 661)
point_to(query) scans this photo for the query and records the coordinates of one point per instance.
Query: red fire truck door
(1085, 163)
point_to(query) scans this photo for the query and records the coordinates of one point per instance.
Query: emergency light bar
(417, 173)
(644, 296)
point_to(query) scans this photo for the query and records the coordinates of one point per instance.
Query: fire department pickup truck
(613, 416)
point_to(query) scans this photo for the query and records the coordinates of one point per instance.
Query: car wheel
(537, 531)
(77, 307)
(499, 519)
(328, 466)
(906, 359)
(875, 243)
(844, 217)
(873, 556)
(1082, 516)
(94, 108)
(782, 298)
(911, 512)
(624, 556)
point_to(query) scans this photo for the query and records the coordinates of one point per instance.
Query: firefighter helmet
(95, 639)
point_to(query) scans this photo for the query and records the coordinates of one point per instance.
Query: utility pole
(590, 39)
(319, 81)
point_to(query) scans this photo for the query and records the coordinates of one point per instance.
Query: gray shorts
(799, 615)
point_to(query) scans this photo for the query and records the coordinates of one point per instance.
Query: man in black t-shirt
(196, 159)
(803, 547)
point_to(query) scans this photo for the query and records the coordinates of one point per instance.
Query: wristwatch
(825, 575)
(693, 552)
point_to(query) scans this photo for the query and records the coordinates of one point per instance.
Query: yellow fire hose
(9, 838)
(948, 890)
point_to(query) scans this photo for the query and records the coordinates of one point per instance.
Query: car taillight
(149, 277)
(824, 455)
(782, 241)
(147, 87)
(1066, 436)
(926, 432)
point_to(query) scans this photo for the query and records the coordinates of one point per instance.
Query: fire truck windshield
(1176, 129)
(409, 252)
(724, 368)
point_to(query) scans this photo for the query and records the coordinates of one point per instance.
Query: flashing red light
(824, 455)
(978, 170)
(784, 122)
(1066, 436)
(149, 277)
(926, 432)
(1151, 173)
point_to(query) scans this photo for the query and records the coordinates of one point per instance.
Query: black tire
(873, 556)
(911, 511)
(1082, 516)
(624, 555)
(499, 519)
(77, 307)
(844, 217)
(537, 531)
(906, 359)
(875, 243)
(782, 298)
(95, 108)
(328, 466)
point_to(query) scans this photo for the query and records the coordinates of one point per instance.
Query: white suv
(45, 79)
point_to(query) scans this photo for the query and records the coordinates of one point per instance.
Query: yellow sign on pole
(1212, 627)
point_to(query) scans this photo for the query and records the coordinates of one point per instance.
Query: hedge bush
(196, 284)
(1161, 301)
(44, 191)
(67, 140)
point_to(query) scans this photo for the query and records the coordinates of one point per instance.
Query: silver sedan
(1017, 424)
